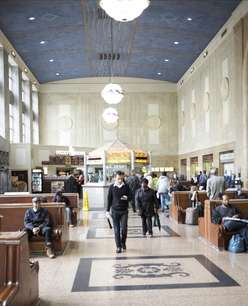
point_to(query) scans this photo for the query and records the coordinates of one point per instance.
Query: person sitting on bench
(36, 222)
(59, 197)
(221, 212)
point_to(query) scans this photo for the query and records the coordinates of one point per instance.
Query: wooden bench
(180, 202)
(27, 198)
(18, 277)
(215, 233)
(13, 220)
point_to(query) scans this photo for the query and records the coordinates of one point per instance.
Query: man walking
(148, 205)
(163, 191)
(118, 197)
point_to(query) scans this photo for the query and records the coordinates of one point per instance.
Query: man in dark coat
(133, 184)
(118, 196)
(36, 222)
(147, 203)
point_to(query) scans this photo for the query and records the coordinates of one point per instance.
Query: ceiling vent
(101, 14)
(109, 56)
(224, 33)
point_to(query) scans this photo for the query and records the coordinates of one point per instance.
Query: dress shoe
(118, 250)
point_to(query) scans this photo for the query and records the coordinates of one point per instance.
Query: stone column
(241, 97)
(4, 94)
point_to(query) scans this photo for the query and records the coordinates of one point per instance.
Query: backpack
(236, 244)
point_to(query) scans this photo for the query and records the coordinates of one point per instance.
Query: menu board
(118, 157)
(141, 157)
(64, 160)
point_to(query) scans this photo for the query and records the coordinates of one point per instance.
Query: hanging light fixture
(112, 93)
(110, 115)
(124, 10)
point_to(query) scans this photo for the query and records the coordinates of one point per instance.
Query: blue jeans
(45, 231)
(165, 200)
(68, 215)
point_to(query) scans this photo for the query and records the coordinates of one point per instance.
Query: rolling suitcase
(192, 215)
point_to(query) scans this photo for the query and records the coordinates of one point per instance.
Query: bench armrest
(7, 293)
(57, 231)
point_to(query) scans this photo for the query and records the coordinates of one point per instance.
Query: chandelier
(124, 10)
(112, 93)
(110, 115)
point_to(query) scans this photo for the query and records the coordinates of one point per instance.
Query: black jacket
(133, 183)
(146, 201)
(40, 218)
(115, 195)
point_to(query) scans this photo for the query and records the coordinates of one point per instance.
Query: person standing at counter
(118, 197)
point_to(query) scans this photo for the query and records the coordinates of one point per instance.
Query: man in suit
(215, 185)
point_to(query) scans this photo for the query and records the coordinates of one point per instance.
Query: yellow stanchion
(85, 201)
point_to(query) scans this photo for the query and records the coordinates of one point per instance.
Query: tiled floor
(168, 270)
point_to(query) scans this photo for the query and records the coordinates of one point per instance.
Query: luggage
(192, 215)
(237, 244)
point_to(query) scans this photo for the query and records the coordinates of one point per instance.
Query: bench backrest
(13, 215)
(4, 199)
(182, 199)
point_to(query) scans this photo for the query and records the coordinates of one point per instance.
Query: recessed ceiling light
(159, 73)
(166, 60)
(57, 73)
(176, 42)
(42, 42)
(31, 18)
(51, 60)
(26, 70)
(189, 19)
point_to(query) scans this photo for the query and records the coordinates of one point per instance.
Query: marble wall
(212, 101)
(71, 114)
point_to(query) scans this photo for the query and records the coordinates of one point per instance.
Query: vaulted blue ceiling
(76, 32)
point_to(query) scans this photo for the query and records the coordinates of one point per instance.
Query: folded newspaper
(236, 219)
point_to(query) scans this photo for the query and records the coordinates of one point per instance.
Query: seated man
(227, 210)
(36, 222)
(59, 197)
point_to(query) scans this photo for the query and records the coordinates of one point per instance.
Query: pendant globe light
(112, 93)
(124, 10)
(110, 115)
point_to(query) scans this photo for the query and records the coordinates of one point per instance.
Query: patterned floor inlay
(153, 272)
(133, 232)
